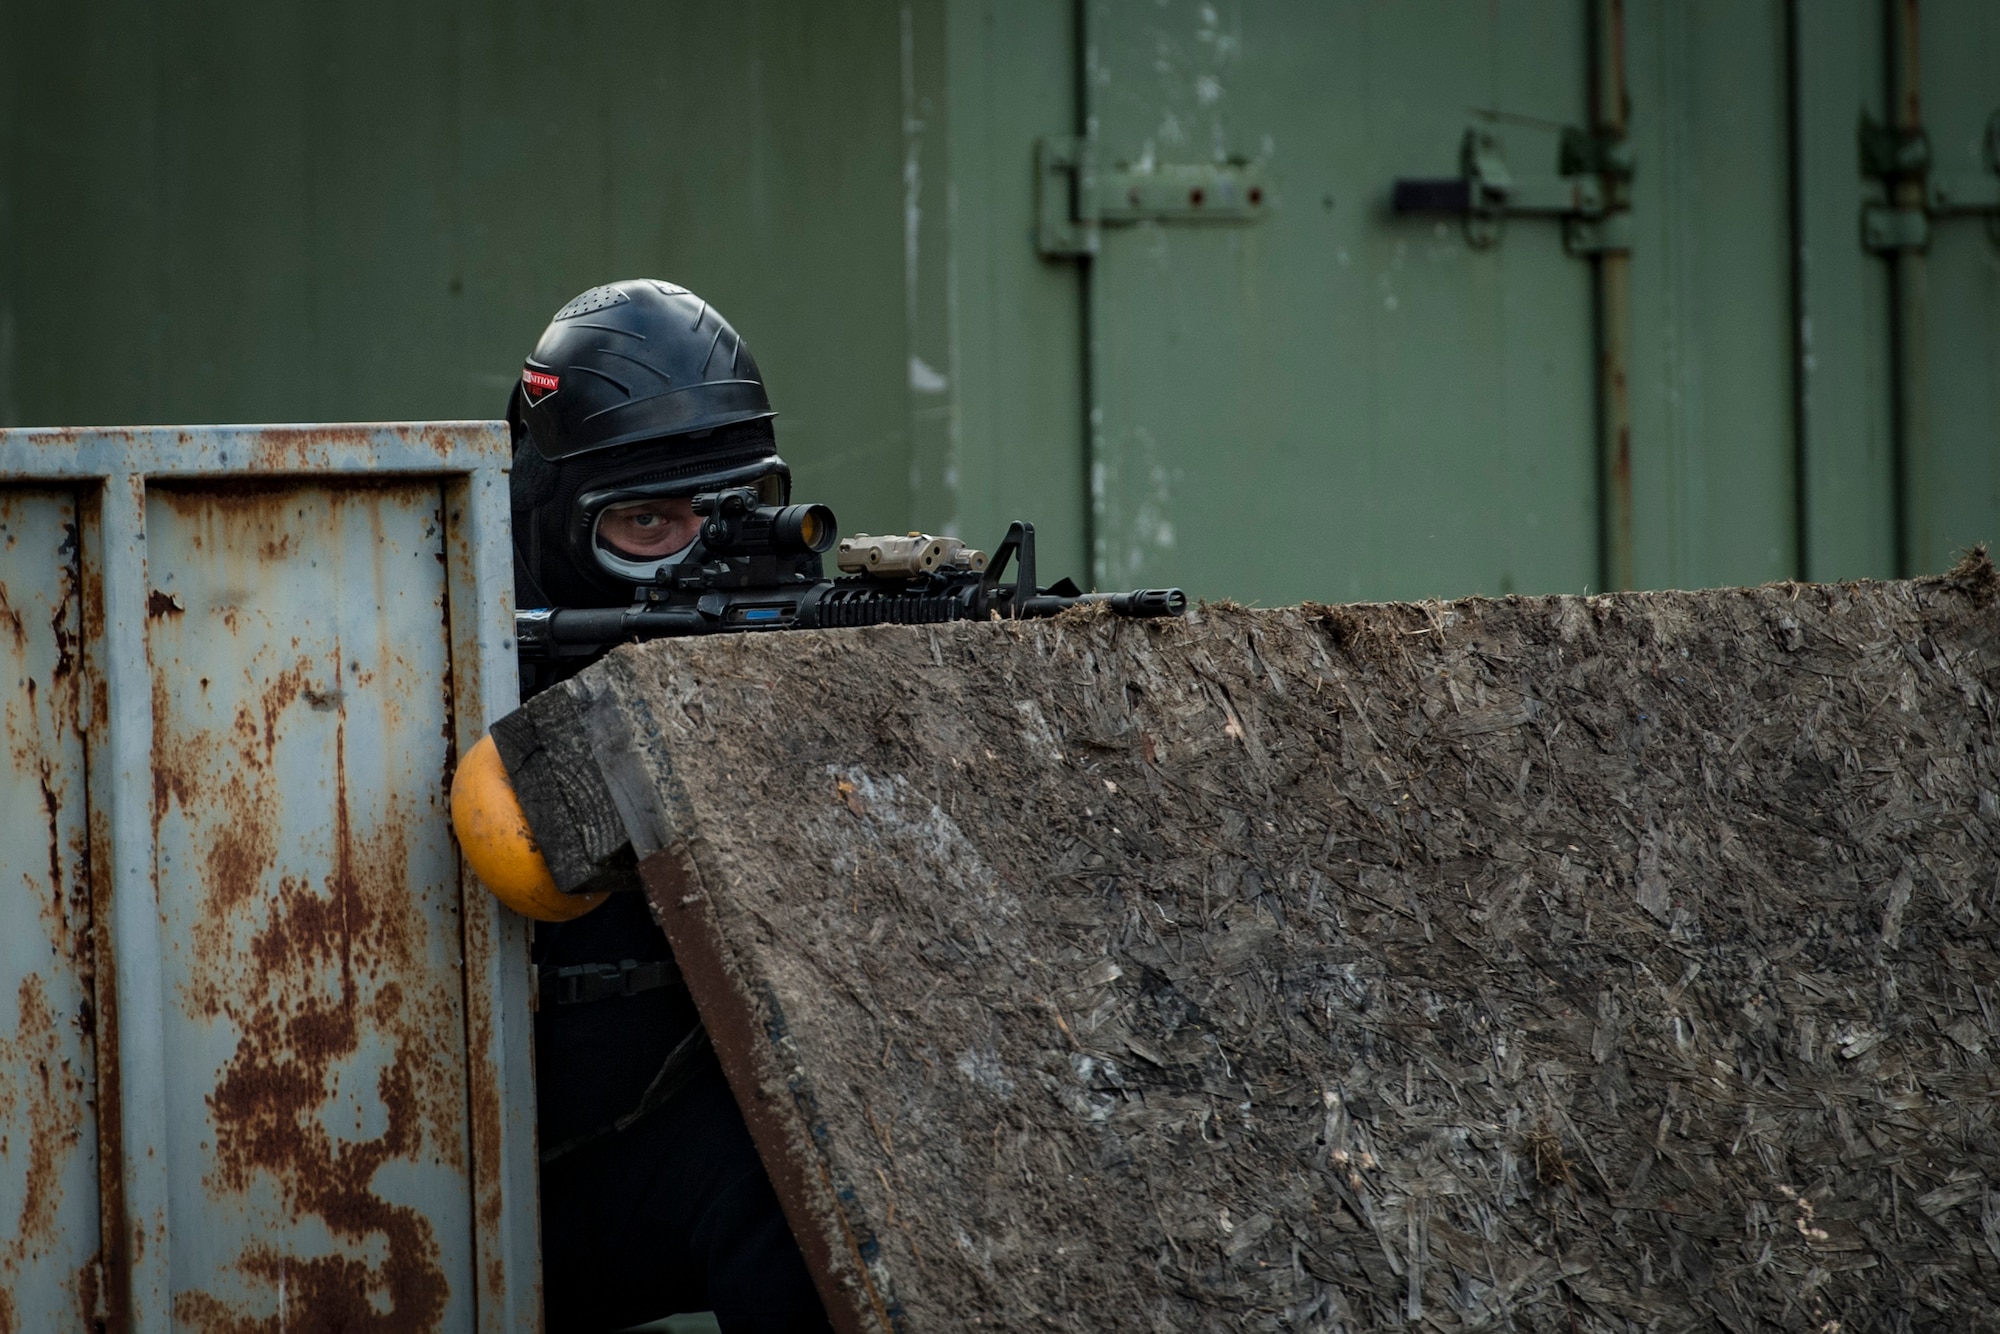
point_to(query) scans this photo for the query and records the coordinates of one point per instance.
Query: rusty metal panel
(498, 987)
(313, 1067)
(49, 1263)
(308, 890)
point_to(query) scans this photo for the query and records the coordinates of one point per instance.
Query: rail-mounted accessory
(908, 557)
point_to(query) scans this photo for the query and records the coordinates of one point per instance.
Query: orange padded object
(493, 834)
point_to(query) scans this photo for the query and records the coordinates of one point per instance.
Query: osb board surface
(1548, 964)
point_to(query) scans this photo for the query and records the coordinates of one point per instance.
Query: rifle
(757, 567)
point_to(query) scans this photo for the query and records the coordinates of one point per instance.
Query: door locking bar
(1590, 193)
(1076, 198)
(1896, 156)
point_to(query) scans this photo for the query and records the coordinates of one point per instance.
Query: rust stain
(251, 515)
(52, 808)
(41, 1076)
(12, 620)
(46, 1056)
(288, 449)
(1909, 102)
(311, 971)
(189, 772)
(22, 737)
(278, 450)
(487, 1122)
(265, 1105)
(65, 439)
(60, 619)
(89, 1285)
(177, 761)
(242, 851)
(80, 938)
(110, 1293)
(114, 1226)
(279, 695)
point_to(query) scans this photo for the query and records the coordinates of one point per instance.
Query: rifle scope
(734, 520)
(804, 528)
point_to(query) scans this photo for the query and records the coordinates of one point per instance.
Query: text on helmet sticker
(538, 385)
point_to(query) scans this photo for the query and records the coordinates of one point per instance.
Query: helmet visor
(771, 477)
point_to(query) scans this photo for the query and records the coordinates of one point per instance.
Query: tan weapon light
(908, 557)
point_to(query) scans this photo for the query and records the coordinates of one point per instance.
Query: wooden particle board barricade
(1567, 964)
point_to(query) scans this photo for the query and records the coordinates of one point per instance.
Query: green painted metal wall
(1712, 369)
(1334, 402)
(1953, 486)
(368, 210)
(357, 210)
(1340, 400)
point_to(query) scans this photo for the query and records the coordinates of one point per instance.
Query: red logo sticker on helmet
(539, 384)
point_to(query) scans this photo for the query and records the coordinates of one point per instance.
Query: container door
(1336, 402)
(1953, 455)
(1899, 270)
(316, 1095)
(49, 1229)
(1713, 450)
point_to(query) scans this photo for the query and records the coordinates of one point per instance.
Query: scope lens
(805, 528)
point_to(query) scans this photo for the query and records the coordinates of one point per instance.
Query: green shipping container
(1670, 292)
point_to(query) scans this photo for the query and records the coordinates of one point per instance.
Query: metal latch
(1590, 191)
(1897, 156)
(1076, 198)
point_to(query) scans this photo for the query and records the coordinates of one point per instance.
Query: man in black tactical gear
(653, 1199)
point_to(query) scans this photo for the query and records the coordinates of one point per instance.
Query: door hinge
(1076, 198)
(1590, 192)
(1901, 156)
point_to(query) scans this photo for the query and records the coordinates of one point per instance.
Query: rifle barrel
(1145, 602)
(1140, 602)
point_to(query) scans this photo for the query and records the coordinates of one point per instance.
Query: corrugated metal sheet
(246, 659)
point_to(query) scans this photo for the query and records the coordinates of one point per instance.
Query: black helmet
(636, 389)
(636, 360)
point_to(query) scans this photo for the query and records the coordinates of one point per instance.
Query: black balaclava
(553, 566)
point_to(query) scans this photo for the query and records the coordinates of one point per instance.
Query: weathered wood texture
(1548, 964)
(550, 754)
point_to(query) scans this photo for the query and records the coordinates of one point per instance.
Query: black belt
(583, 983)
